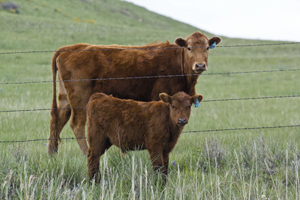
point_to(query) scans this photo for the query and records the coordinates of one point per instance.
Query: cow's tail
(54, 112)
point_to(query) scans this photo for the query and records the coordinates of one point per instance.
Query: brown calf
(133, 125)
(188, 57)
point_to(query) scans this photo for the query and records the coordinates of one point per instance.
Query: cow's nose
(200, 66)
(181, 121)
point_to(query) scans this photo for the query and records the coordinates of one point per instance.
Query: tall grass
(258, 169)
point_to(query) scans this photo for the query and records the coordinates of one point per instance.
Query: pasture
(233, 164)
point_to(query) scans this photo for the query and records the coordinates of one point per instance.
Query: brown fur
(134, 125)
(84, 61)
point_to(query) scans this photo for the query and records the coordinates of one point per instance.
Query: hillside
(49, 24)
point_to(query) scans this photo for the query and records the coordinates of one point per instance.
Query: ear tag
(213, 45)
(197, 103)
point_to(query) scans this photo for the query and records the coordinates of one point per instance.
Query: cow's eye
(189, 48)
(189, 107)
(173, 107)
(207, 48)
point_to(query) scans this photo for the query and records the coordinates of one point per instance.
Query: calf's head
(197, 47)
(180, 106)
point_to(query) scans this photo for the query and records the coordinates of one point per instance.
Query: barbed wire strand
(144, 48)
(251, 98)
(212, 100)
(148, 77)
(199, 131)
(38, 109)
(258, 45)
(248, 128)
(35, 140)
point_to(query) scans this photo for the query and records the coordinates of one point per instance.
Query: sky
(255, 19)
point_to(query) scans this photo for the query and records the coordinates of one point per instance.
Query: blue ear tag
(197, 103)
(213, 45)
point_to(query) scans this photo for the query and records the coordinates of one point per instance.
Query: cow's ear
(214, 39)
(196, 97)
(165, 97)
(181, 42)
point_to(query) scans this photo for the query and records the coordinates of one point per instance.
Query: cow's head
(180, 106)
(197, 47)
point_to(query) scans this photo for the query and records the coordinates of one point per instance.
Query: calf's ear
(196, 97)
(214, 39)
(181, 42)
(165, 97)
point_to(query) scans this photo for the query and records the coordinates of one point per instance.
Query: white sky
(253, 19)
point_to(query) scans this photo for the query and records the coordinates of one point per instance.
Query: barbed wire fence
(149, 77)
(147, 48)
(161, 76)
(200, 131)
(212, 100)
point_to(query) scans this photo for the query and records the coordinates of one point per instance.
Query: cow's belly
(139, 90)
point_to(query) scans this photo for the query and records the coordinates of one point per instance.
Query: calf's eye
(173, 107)
(207, 48)
(189, 48)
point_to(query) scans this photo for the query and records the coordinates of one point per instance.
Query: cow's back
(121, 70)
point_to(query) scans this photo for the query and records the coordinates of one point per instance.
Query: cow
(135, 125)
(84, 69)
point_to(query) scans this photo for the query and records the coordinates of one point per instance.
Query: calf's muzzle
(182, 121)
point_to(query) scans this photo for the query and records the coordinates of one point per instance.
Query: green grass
(251, 164)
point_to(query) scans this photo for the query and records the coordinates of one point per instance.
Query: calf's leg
(156, 159)
(166, 165)
(160, 164)
(96, 149)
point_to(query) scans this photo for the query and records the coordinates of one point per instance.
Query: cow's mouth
(199, 71)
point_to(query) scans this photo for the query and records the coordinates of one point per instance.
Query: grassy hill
(67, 22)
(43, 25)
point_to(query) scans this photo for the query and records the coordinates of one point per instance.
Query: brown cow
(188, 57)
(134, 125)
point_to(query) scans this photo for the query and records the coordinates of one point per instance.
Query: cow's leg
(94, 153)
(78, 121)
(59, 120)
(78, 98)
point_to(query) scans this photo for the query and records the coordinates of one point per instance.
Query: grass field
(237, 164)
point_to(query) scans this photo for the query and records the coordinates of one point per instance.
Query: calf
(134, 125)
